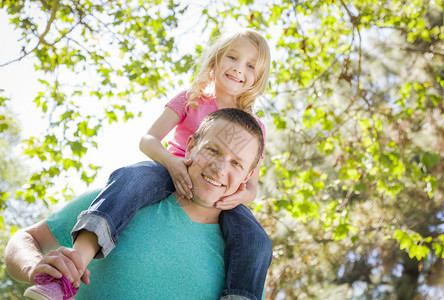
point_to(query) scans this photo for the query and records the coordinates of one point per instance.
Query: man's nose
(219, 165)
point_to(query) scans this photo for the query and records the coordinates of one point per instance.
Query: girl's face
(235, 73)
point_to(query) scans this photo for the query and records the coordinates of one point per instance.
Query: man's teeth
(212, 181)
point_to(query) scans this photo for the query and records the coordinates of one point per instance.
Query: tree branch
(54, 8)
(41, 38)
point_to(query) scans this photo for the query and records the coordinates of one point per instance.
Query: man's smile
(211, 181)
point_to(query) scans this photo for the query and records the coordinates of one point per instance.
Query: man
(172, 249)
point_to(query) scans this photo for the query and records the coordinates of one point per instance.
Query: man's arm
(25, 256)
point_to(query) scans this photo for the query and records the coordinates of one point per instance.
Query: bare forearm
(21, 254)
(150, 143)
(154, 149)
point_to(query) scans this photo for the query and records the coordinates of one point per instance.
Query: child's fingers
(224, 205)
(225, 202)
(185, 185)
(180, 189)
(182, 180)
(187, 191)
(242, 187)
(189, 162)
(185, 176)
(188, 185)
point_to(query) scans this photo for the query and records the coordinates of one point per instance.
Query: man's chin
(204, 203)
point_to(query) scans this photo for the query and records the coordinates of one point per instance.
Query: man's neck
(197, 213)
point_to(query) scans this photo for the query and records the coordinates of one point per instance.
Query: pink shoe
(49, 288)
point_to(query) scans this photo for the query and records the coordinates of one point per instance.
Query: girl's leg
(128, 189)
(248, 253)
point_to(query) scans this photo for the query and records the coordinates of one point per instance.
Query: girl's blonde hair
(210, 59)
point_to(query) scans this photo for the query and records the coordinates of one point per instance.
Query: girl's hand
(178, 170)
(230, 202)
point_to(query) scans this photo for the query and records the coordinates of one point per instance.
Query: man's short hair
(236, 116)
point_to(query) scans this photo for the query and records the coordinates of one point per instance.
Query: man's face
(222, 160)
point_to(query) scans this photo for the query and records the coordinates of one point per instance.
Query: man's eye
(213, 151)
(236, 163)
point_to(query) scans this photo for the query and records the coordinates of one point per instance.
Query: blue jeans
(248, 250)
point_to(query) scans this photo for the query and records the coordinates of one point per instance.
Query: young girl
(233, 73)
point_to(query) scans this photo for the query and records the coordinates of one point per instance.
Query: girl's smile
(233, 78)
(235, 72)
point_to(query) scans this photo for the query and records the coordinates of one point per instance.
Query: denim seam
(236, 246)
(98, 225)
(233, 258)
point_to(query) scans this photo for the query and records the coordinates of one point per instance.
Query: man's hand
(62, 261)
(178, 169)
(241, 196)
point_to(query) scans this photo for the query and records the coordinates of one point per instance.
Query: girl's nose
(238, 70)
(238, 67)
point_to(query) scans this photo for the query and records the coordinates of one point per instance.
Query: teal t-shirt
(162, 254)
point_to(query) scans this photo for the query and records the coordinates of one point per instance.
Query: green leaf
(429, 160)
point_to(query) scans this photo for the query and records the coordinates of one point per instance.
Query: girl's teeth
(234, 78)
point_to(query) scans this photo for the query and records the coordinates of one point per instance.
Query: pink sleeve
(178, 103)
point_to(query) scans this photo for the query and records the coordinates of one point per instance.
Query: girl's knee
(130, 171)
(264, 245)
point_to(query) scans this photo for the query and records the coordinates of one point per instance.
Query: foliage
(352, 180)
(361, 169)
(12, 175)
(8, 289)
(123, 46)
(11, 169)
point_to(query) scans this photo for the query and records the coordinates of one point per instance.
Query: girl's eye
(251, 67)
(231, 57)
(236, 163)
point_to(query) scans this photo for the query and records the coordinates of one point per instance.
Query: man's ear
(190, 146)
